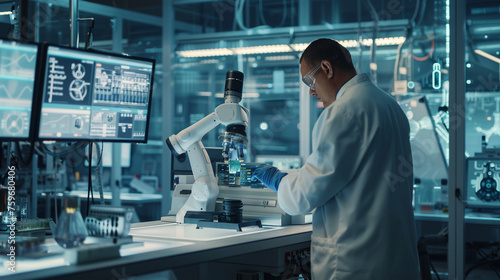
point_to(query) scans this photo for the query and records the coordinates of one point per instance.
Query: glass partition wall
(481, 110)
(402, 45)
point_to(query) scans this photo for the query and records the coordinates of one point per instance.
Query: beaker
(70, 230)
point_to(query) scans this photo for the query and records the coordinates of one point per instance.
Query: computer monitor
(482, 189)
(18, 62)
(429, 162)
(91, 95)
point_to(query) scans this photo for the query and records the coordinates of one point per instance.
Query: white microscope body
(205, 190)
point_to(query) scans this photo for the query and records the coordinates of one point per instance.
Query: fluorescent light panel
(280, 57)
(263, 49)
(245, 95)
(388, 41)
(206, 52)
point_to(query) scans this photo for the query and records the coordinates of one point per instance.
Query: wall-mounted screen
(482, 189)
(90, 95)
(18, 62)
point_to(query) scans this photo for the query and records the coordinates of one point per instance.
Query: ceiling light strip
(206, 52)
(389, 41)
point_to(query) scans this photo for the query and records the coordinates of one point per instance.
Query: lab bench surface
(169, 246)
(478, 226)
(470, 217)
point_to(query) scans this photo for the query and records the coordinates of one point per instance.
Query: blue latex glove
(269, 175)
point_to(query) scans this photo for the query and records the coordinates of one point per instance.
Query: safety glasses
(309, 78)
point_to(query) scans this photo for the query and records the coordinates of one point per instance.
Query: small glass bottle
(70, 230)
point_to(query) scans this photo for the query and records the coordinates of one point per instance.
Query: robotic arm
(205, 190)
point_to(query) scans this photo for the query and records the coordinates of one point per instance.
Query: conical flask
(70, 230)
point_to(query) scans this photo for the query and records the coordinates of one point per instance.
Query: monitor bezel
(34, 98)
(43, 60)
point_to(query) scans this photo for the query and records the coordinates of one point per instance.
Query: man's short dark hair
(328, 49)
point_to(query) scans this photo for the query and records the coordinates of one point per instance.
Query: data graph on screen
(18, 62)
(95, 96)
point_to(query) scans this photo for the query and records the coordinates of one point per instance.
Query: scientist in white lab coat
(358, 178)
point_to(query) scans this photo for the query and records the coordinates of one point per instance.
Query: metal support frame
(116, 167)
(168, 99)
(117, 35)
(103, 10)
(185, 2)
(73, 8)
(304, 12)
(36, 26)
(314, 31)
(23, 20)
(33, 203)
(116, 174)
(456, 223)
(212, 135)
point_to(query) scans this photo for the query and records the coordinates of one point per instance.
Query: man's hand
(269, 175)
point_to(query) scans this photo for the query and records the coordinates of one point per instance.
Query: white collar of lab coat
(354, 80)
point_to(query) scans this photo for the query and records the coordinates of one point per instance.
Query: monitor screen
(482, 189)
(90, 95)
(18, 63)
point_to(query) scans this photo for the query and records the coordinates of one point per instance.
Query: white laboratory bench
(191, 253)
(478, 227)
(470, 217)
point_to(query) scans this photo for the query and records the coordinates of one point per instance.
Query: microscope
(205, 190)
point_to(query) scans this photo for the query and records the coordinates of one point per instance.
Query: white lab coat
(359, 178)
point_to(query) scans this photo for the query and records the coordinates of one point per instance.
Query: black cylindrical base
(232, 211)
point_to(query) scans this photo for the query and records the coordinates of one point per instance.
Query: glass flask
(70, 230)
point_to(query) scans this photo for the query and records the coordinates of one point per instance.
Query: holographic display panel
(90, 95)
(18, 63)
(429, 162)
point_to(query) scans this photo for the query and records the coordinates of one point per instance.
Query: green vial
(234, 166)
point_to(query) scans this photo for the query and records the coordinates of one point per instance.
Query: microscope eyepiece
(233, 87)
